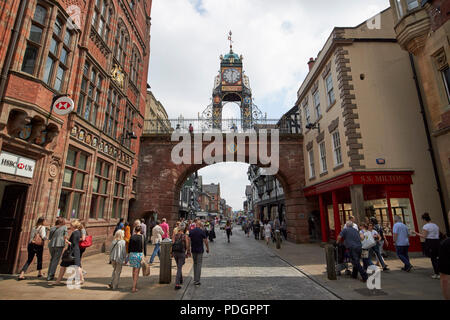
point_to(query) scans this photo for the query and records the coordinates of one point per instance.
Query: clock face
(231, 75)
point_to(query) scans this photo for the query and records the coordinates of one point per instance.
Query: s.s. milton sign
(16, 165)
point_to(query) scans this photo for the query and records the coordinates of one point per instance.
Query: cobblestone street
(246, 269)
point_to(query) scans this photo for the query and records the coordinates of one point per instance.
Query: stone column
(357, 197)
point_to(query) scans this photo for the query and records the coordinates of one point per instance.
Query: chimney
(311, 63)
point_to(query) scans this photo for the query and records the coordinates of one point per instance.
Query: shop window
(35, 39)
(74, 184)
(100, 185)
(330, 90)
(345, 211)
(90, 94)
(379, 209)
(323, 158)
(402, 207)
(119, 193)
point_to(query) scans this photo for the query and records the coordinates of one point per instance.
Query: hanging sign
(63, 106)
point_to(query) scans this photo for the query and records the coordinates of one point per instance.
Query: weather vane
(231, 41)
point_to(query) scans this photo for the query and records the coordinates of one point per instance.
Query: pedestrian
(74, 246)
(117, 257)
(198, 241)
(165, 228)
(175, 230)
(119, 225)
(382, 237)
(261, 227)
(431, 235)
(136, 249)
(127, 237)
(57, 241)
(136, 223)
(376, 248)
(256, 229)
(247, 228)
(35, 247)
(180, 250)
(401, 240)
(157, 234)
(191, 128)
(368, 242)
(144, 234)
(354, 225)
(212, 232)
(228, 230)
(444, 267)
(267, 232)
(284, 229)
(83, 238)
(352, 241)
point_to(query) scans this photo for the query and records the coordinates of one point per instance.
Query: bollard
(278, 238)
(331, 262)
(165, 268)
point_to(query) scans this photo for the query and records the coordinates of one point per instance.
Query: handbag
(86, 243)
(68, 256)
(37, 239)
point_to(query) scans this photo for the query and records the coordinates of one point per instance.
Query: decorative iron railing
(285, 126)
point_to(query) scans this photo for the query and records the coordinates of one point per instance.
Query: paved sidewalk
(395, 284)
(96, 284)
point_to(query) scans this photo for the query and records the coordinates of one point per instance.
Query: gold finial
(231, 41)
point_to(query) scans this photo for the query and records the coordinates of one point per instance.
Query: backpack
(178, 245)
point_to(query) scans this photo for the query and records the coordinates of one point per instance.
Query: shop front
(365, 195)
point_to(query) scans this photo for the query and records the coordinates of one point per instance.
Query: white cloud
(276, 38)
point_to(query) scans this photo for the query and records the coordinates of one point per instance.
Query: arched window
(135, 67)
(121, 45)
(101, 19)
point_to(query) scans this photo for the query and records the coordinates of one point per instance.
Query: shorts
(135, 259)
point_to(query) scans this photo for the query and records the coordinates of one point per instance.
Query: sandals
(20, 279)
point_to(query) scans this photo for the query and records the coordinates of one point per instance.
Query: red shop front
(378, 194)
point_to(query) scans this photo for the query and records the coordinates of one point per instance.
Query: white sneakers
(435, 276)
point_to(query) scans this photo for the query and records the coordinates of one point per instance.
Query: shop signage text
(16, 165)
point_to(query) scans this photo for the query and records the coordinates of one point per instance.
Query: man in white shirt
(355, 226)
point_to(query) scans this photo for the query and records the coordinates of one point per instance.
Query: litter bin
(165, 267)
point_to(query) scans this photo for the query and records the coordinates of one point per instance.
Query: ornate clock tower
(231, 85)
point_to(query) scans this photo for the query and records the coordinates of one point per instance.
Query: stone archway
(160, 180)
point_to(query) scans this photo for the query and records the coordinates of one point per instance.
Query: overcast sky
(276, 38)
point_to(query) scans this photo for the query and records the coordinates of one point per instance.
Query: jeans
(32, 251)
(180, 258)
(156, 251)
(355, 255)
(376, 250)
(228, 234)
(55, 253)
(402, 253)
(116, 274)
(198, 258)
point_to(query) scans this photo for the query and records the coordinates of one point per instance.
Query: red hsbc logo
(21, 166)
(63, 106)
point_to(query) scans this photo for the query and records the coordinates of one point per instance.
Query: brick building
(81, 165)
(213, 191)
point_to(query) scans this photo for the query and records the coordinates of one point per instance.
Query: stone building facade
(81, 165)
(423, 29)
(365, 144)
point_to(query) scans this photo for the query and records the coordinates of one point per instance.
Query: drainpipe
(12, 47)
(430, 145)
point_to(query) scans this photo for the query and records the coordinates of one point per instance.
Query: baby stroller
(342, 259)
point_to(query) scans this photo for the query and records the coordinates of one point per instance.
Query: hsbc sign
(16, 165)
(63, 106)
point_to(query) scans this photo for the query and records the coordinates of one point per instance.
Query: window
(128, 127)
(446, 78)
(330, 89)
(34, 42)
(307, 114)
(412, 4)
(112, 114)
(73, 187)
(57, 62)
(337, 148)
(317, 104)
(101, 19)
(91, 91)
(398, 4)
(135, 68)
(119, 193)
(311, 164)
(100, 189)
(323, 158)
(121, 45)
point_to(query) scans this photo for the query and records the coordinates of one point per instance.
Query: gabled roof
(211, 188)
